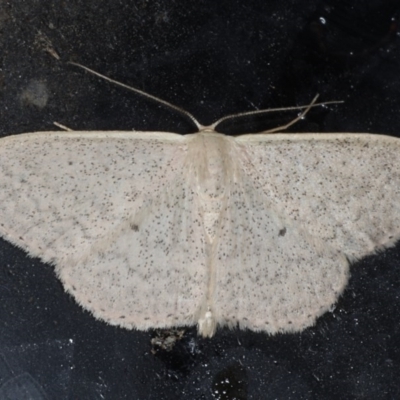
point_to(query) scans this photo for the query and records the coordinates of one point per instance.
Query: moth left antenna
(141, 92)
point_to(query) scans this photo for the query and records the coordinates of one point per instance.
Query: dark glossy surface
(212, 58)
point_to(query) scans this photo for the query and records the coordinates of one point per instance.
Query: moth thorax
(213, 171)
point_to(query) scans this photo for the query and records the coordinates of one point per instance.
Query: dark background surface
(213, 58)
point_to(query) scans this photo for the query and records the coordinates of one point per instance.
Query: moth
(158, 230)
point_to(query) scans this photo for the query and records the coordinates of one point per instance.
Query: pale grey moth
(156, 230)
